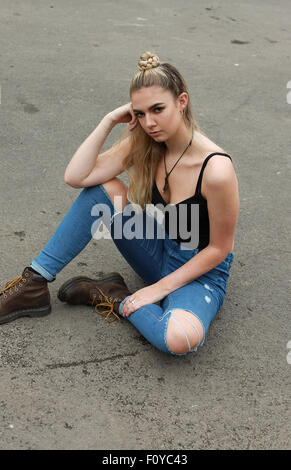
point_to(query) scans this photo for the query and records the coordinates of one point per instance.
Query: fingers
(126, 311)
(128, 308)
(132, 124)
(134, 121)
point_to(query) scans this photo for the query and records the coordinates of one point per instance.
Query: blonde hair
(141, 162)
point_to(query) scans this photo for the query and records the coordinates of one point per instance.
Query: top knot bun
(148, 61)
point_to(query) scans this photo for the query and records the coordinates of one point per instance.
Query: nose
(150, 122)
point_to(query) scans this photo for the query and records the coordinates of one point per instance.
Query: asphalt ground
(71, 380)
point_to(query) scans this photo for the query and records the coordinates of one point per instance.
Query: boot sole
(101, 277)
(37, 312)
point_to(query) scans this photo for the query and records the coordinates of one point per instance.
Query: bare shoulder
(219, 172)
(217, 165)
(208, 147)
(218, 168)
(219, 179)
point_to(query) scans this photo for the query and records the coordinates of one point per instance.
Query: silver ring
(132, 301)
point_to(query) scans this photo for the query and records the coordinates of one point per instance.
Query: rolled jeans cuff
(34, 265)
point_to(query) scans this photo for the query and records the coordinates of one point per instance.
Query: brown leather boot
(24, 296)
(108, 290)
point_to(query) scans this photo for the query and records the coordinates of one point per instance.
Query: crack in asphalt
(92, 361)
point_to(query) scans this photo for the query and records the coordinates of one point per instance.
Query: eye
(158, 107)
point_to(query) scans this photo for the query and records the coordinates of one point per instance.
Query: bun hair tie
(148, 61)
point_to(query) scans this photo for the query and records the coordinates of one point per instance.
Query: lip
(155, 133)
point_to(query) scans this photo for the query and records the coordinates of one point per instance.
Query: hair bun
(148, 61)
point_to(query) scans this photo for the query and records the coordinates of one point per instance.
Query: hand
(124, 114)
(147, 295)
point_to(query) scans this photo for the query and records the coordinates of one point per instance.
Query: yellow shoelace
(11, 284)
(109, 303)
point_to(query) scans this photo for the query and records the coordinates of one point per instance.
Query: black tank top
(196, 199)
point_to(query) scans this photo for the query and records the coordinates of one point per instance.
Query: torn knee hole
(190, 322)
(182, 335)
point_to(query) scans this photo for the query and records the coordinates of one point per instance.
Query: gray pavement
(70, 380)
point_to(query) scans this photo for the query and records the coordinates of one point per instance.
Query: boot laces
(10, 284)
(107, 302)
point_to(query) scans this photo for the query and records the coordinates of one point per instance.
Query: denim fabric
(151, 258)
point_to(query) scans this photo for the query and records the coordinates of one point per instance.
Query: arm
(87, 167)
(85, 157)
(221, 187)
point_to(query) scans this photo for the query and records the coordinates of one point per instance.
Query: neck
(177, 143)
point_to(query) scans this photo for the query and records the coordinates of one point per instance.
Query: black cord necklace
(166, 185)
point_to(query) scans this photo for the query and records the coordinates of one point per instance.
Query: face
(157, 110)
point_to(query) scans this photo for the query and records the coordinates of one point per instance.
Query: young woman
(172, 164)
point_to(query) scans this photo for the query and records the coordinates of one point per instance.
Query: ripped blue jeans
(151, 258)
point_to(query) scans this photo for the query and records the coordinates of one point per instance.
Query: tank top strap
(198, 187)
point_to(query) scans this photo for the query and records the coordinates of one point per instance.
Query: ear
(183, 100)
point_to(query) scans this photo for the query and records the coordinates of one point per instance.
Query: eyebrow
(151, 107)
